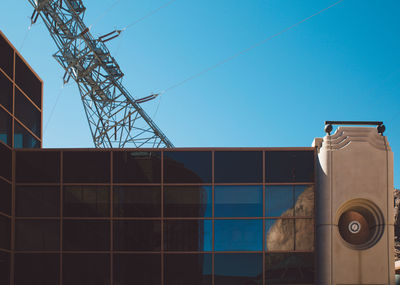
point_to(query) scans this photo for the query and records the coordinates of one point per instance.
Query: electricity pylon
(115, 118)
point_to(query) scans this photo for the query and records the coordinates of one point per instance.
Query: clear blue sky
(341, 65)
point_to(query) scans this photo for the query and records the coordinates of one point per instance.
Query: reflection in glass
(40, 269)
(238, 268)
(37, 201)
(5, 197)
(137, 235)
(137, 167)
(238, 235)
(238, 201)
(86, 235)
(5, 232)
(289, 268)
(6, 91)
(37, 166)
(304, 200)
(22, 138)
(279, 234)
(137, 269)
(192, 235)
(279, 201)
(5, 162)
(5, 127)
(187, 201)
(29, 115)
(4, 268)
(86, 269)
(304, 231)
(37, 235)
(86, 201)
(238, 167)
(7, 57)
(28, 81)
(184, 269)
(137, 201)
(187, 166)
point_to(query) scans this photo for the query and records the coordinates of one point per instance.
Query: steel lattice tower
(115, 118)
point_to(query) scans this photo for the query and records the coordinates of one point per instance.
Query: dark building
(128, 216)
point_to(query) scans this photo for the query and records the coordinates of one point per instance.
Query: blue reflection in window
(238, 235)
(279, 201)
(238, 201)
(304, 200)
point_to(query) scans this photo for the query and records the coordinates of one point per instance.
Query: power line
(247, 49)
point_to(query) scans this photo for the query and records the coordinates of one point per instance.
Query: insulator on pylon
(147, 98)
(110, 36)
(34, 17)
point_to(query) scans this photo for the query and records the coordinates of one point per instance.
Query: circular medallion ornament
(354, 227)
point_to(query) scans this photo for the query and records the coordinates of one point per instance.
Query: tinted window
(23, 139)
(7, 57)
(289, 166)
(188, 201)
(28, 81)
(187, 166)
(137, 269)
(137, 167)
(238, 268)
(238, 235)
(238, 167)
(289, 268)
(29, 115)
(37, 201)
(5, 162)
(238, 201)
(89, 167)
(192, 235)
(86, 201)
(280, 234)
(37, 166)
(86, 269)
(5, 127)
(5, 197)
(184, 269)
(86, 235)
(4, 268)
(304, 200)
(5, 232)
(37, 234)
(137, 201)
(137, 235)
(304, 234)
(40, 269)
(279, 201)
(6, 91)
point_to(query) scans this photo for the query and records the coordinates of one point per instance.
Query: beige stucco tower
(354, 217)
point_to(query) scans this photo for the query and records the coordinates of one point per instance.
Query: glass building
(208, 216)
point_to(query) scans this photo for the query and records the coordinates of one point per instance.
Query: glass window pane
(5, 127)
(7, 57)
(5, 232)
(86, 235)
(137, 201)
(6, 90)
(4, 268)
(184, 269)
(187, 166)
(37, 201)
(86, 166)
(238, 167)
(188, 201)
(289, 166)
(86, 269)
(5, 162)
(280, 234)
(30, 116)
(137, 269)
(289, 268)
(238, 268)
(86, 201)
(43, 269)
(238, 201)
(38, 166)
(137, 167)
(5, 197)
(37, 234)
(279, 201)
(189, 235)
(304, 200)
(28, 81)
(304, 234)
(137, 235)
(238, 235)
(23, 139)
